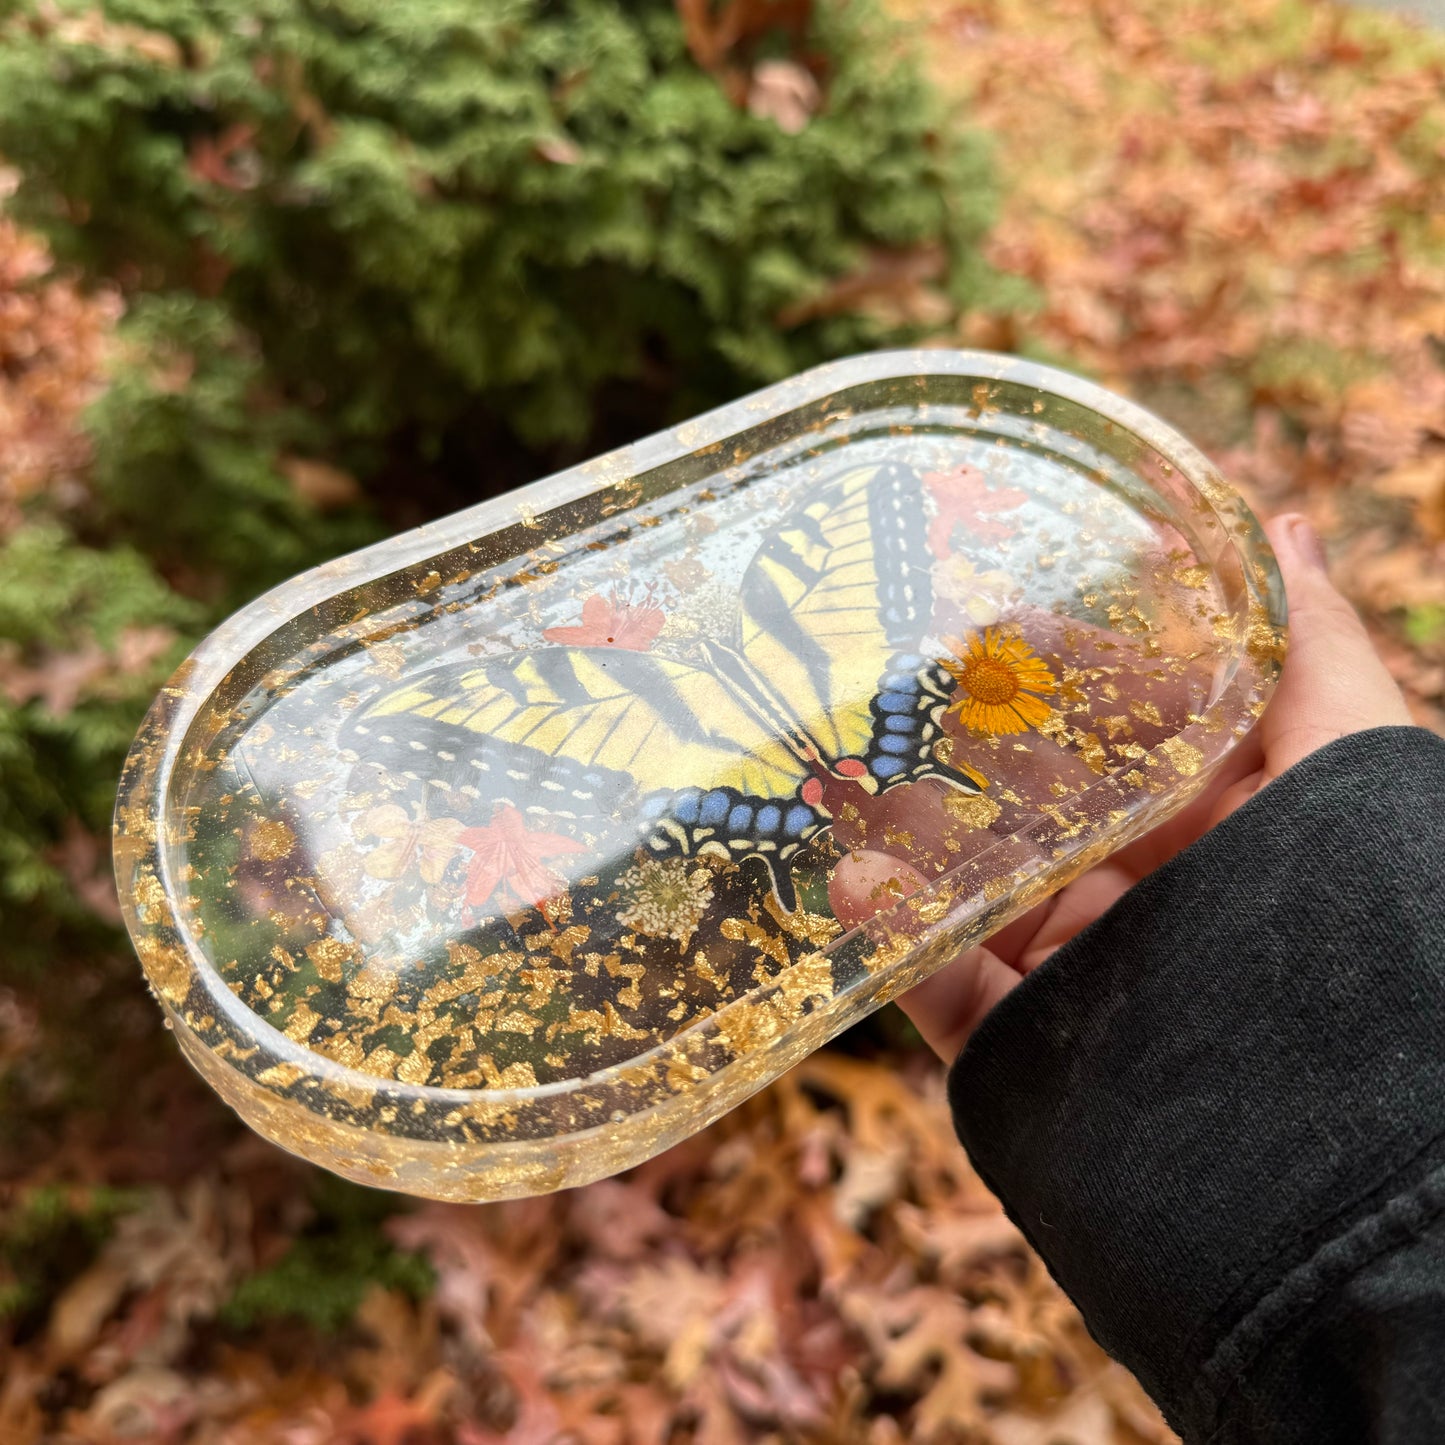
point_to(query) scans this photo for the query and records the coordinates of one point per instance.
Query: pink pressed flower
(612, 622)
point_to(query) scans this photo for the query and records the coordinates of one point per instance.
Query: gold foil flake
(416, 1067)
(811, 977)
(302, 1022)
(387, 658)
(329, 956)
(382, 1062)
(813, 928)
(1147, 712)
(1069, 827)
(166, 967)
(271, 839)
(1091, 750)
(975, 809)
(933, 911)
(374, 983)
(739, 930)
(150, 893)
(1192, 576)
(1263, 642)
(708, 973)
(280, 1076)
(1186, 758)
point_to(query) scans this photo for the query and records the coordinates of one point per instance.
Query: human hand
(1333, 684)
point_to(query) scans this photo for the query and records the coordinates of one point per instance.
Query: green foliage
(187, 467)
(88, 636)
(441, 222)
(47, 1236)
(324, 1275)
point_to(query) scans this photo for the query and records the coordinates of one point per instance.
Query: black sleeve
(1218, 1113)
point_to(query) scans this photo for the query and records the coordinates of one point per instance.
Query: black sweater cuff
(1210, 1098)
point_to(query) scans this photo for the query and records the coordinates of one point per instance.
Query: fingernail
(1306, 541)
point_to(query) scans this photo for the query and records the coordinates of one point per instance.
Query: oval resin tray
(504, 854)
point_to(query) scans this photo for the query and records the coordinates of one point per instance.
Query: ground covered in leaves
(1231, 211)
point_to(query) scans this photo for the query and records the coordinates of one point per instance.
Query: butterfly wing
(632, 747)
(658, 722)
(834, 607)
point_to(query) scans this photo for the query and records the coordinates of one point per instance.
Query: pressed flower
(964, 498)
(998, 677)
(980, 594)
(424, 844)
(612, 622)
(665, 898)
(509, 862)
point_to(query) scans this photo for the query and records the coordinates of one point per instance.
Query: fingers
(1333, 682)
(948, 1005)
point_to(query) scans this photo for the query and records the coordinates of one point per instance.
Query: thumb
(1333, 682)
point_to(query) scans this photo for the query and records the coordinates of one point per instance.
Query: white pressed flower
(666, 897)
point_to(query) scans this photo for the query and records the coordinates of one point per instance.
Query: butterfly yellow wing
(661, 723)
(832, 599)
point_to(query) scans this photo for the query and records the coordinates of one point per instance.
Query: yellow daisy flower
(998, 676)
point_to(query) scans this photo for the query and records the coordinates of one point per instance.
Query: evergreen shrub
(443, 243)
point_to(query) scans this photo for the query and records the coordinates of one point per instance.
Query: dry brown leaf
(319, 484)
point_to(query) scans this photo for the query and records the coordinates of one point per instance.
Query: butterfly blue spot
(800, 817)
(897, 702)
(908, 661)
(740, 820)
(888, 767)
(714, 808)
(900, 723)
(769, 817)
(685, 808)
(891, 744)
(655, 806)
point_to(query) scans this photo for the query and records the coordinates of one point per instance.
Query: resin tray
(504, 854)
